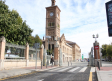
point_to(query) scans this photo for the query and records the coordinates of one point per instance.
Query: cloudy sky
(80, 19)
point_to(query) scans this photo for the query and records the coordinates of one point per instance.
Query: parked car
(81, 60)
(103, 59)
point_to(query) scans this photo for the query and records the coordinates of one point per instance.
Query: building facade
(70, 50)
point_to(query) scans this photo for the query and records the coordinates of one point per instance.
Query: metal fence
(32, 53)
(13, 51)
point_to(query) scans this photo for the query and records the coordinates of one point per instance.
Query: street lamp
(96, 36)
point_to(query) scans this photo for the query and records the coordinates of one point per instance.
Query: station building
(70, 50)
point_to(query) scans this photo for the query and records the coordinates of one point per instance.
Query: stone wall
(9, 64)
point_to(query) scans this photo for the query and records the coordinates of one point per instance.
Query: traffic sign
(96, 47)
(82, 56)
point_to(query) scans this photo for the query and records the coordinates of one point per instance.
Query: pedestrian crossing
(72, 69)
(83, 69)
(64, 69)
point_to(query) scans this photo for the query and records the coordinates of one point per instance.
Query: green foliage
(37, 39)
(109, 50)
(12, 27)
(33, 40)
(106, 50)
(50, 52)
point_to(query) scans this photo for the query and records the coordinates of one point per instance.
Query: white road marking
(41, 80)
(56, 69)
(83, 69)
(73, 69)
(64, 69)
(92, 69)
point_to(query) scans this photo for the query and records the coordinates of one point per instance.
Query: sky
(79, 20)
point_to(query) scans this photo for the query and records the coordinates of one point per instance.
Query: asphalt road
(65, 73)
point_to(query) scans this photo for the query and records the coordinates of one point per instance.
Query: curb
(98, 76)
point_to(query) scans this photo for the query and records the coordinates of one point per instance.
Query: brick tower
(52, 25)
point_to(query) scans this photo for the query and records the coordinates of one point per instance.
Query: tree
(12, 27)
(104, 50)
(31, 41)
(38, 40)
(109, 50)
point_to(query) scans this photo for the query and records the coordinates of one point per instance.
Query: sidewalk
(104, 74)
(23, 70)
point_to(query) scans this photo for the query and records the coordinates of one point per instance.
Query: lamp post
(96, 36)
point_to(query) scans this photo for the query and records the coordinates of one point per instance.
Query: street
(77, 72)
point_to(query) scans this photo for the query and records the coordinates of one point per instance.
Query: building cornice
(51, 7)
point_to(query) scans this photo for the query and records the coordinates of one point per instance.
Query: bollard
(68, 63)
(46, 64)
(41, 64)
(98, 65)
(71, 63)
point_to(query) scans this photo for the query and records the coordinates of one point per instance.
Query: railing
(14, 45)
(14, 57)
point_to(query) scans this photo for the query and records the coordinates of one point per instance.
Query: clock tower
(52, 24)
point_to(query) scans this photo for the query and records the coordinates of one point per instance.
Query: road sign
(48, 37)
(96, 47)
(82, 56)
(37, 45)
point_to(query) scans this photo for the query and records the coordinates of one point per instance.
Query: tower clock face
(51, 14)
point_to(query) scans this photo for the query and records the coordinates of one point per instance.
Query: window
(53, 46)
(48, 24)
(49, 46)
(51, 24)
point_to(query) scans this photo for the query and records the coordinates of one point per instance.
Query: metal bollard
(71, 63)
(41, 64)
(98, 65)
(46, 64)
(68, 63)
